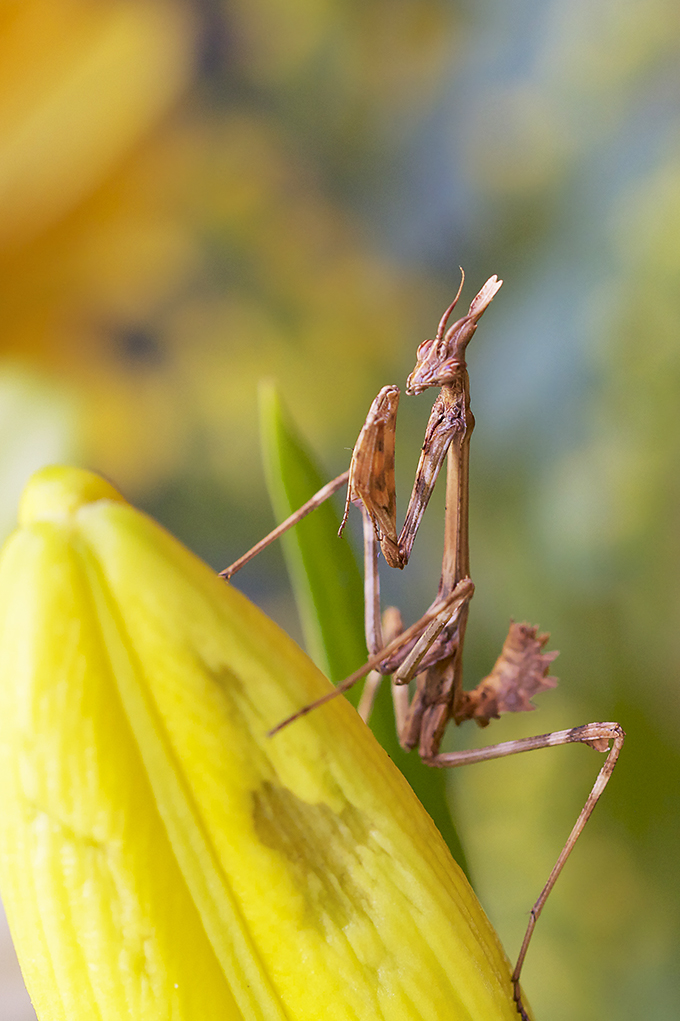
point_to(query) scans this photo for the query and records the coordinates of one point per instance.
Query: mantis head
(441, 360)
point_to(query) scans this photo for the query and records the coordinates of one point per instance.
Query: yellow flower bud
(161, 858)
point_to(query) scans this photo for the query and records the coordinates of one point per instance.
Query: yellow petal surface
(160, 856)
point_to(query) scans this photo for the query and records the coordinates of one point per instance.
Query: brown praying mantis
(430, 651)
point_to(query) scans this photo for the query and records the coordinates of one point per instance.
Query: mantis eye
(424, 349)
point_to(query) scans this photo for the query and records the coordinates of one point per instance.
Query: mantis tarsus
(431, 650)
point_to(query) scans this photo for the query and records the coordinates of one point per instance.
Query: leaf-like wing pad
(520, 672)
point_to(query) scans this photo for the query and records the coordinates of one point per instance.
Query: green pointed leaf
(323, 570)
(328, 591)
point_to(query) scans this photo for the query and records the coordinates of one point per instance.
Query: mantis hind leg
(603, 737)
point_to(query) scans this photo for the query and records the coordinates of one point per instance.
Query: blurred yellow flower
(164, 235)
(80, 84)
(89, 233)
(160, 857)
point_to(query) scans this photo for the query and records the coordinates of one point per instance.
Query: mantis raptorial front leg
(430, 651)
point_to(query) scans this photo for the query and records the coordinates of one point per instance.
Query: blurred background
(196, 194)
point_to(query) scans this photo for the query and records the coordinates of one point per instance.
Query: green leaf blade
(323, 571)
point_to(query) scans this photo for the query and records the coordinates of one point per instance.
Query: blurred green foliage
(195, 195)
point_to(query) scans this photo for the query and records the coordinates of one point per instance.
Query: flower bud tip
(57, 491)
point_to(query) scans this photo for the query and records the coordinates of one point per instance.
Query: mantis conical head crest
(440, 361)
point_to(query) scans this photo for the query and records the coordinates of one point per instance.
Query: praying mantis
(430, 651)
